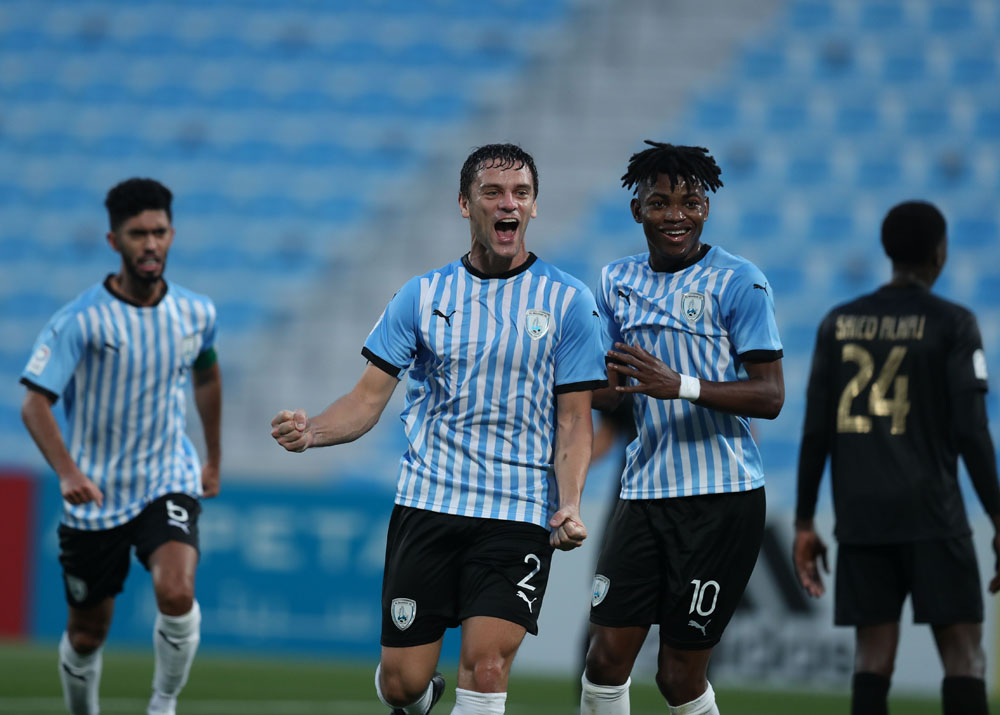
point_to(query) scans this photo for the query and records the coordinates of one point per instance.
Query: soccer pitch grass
(231, 685)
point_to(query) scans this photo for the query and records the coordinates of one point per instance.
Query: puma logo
(525, 599)
(71, 674)
(626, 296)
(758, 285)
(447, 318)
(180, 525)
(695, 624)
(174, 644)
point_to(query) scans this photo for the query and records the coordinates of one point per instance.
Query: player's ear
(705, 215)
(534, 209)
(113, 242)
(636, 208)
(463, 202)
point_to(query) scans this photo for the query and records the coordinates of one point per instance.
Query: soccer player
(502, 352)
(896, 394)
(119, 357)
(693, 340)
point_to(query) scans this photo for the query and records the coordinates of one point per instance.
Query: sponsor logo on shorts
(76, 586)
(404, 611)
(530, 602)
(602, 584)
(694, 624)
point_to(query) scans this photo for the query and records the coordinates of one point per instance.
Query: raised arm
(75, 486)
(208, 401)
(344, 421)
(574, 441)
(762, 395)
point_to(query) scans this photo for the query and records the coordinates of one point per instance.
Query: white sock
(80, 676)
(175, 641)
(469, 702)
(704, 704)
(420, 706)
(604, 699)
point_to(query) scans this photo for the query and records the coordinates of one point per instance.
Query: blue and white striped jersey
(485, 358)
(698, 320)
(120, 370)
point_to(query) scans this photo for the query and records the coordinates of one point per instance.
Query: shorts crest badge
(76, 586)
(601, 586)
(404, 611)
(537, 323)
(693, 305)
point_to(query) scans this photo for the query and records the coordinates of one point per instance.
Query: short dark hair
(496, 156)
(912, 232)
(693, 164)
(133, 196)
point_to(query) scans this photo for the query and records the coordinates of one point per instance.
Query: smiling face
(672, 219)
(499, 204)
(143, 242)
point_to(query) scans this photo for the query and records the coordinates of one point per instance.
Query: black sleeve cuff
(386, 367)
(761, 355)
(580, 386)
(53, 397)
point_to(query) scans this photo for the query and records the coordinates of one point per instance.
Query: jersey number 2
(878, 404)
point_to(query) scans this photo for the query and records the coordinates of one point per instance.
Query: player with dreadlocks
(692, 337)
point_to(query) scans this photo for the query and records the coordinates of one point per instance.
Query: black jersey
(889, 372)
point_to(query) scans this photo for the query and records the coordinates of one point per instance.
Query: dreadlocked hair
(690, 163)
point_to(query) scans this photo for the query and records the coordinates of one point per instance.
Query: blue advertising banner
(290, 569)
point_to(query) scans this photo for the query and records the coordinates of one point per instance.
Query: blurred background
(314, 148)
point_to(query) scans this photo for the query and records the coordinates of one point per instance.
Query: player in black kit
(896, 394)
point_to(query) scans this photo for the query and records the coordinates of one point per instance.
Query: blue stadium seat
(881, 16)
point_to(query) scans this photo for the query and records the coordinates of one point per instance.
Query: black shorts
(441, 569)
(941, 576)
(95, 563)
(682, 562)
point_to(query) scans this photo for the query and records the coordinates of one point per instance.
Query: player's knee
(489, 674)
(969, 661)
(174, 598)
(604, 669)
(85, 640)
(679, 685)
(397, 689)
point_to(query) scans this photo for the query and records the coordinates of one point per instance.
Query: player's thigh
(946, 585)
(630, 568)
(505, 572)
(488, 648)
(872, 581)
(420, 584)
(405, 671)
(165, 535)
(711, 545)
(94, 563)
(960, 646)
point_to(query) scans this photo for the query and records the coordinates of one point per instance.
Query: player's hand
(210, 481)
(652, 376)
(291, 430)
(568, 531)
(808, 552)
(995, 581)
(76, 488)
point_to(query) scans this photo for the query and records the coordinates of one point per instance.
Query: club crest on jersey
(537, 323)
(404, 611)
(77, 587)
(601, 586)
(693, 305)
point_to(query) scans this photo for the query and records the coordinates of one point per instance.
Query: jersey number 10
(879, 405)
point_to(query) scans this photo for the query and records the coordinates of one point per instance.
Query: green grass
(230, 685)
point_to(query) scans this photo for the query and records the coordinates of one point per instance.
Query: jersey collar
(110, 289)
(507, 274)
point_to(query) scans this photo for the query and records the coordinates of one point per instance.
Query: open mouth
(149, 264)
(675, 235)
(506, 228)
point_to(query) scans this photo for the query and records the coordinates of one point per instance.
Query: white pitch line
(26, 706)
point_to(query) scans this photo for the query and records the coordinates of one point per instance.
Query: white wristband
(690, 388)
